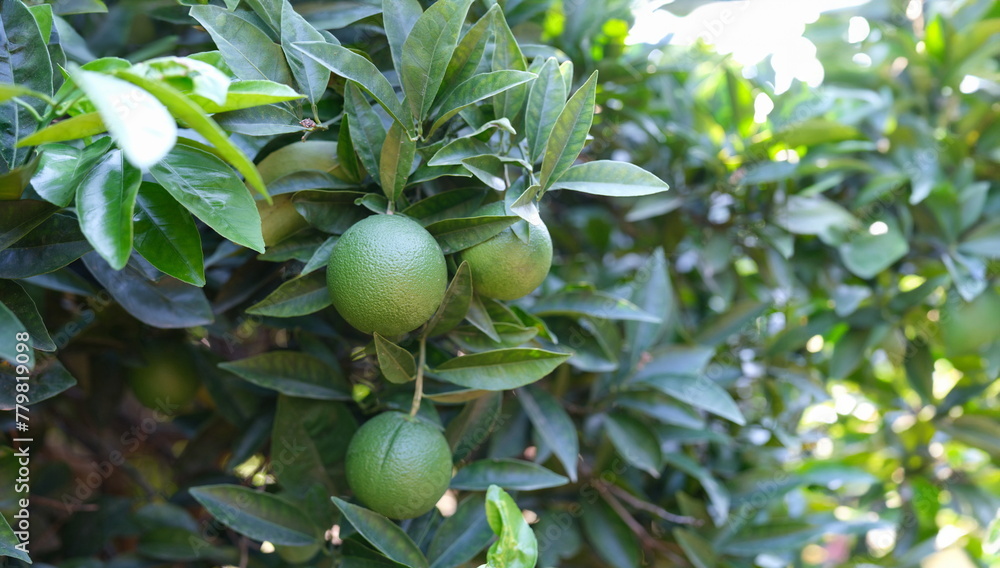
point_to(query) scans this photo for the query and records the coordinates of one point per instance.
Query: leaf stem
(29, 108)
(418, 391)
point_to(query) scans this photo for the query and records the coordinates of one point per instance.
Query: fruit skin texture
(387, 274)
(168, 381)
(398, 466)
(505, 267)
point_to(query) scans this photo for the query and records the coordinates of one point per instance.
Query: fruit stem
(418, 392)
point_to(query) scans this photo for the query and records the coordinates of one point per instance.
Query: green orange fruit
(398, 465)
(387, 274)
(506, 267)
(168, 379)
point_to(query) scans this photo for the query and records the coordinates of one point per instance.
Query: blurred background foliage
(822, 392)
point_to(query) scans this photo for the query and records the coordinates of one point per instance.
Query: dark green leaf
(166, 236)
(776, 534)
(473, 425)
(546, 99)
(383, 534)
(329, 211)
(634, 442)
(62, 169)
(717, 493)
(52, 380)
(698, 550)
(446, 205)
(468, 54)
(399, 17)
(311, 77)
(502, 369)
(610, 536)
(461, 536)
(396, 161)
(367, 131)
(10, 545)
(23, 307)
(51, 245)
(397, 364)
(105, 201)
(297, 297)
(569, 133)
(458, 234)
(309, 440)
(19, 218)
(248, 51)
(652, 292)
(591, 303)
(507, 56)
(291, 373)
(260, 516)
(515, 475)
(553, 425)
(25, 62)
(699, 391)
(475, 89)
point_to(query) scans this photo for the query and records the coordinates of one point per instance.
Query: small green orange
(387, 274)
(167, 381)
(505, 267)
(398, 465)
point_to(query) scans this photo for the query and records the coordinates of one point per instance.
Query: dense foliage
(787, 359)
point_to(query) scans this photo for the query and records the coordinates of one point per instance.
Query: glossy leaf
(388, 538)
(166, 235)
(247, 94)
(311, 76)
(10, 544)
(515, 475)
(105, 201)
(502, 369)
(461, 233)
(260, 516)
(516, 546)
(546, 99)
(475, 89)
(63, 167)
(209, 189)
(569, 133)
(248, 51)
(396, 161)
(329, 211)
(73, 128)
(591, 303)
(613, 179)
(51, 245)
(297, 297)
(18, 218)
(26, 63)
(399, 17)
(553, 425)
(455, 305)
(397, 364)
(291, 373)
(367, 131)
(24, 309)
(468, 54)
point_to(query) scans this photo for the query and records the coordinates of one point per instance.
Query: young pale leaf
(517, 546)
(569, 133)
(398, 18)
(297, 297)
(291, 373)
(166, 303)
(350, 65)
(458, 234)
(634, 442)
(546, 99)
(189, 111)
(105, 200)
(475, 89)
(9, 91)
(209, 189)
(460, 149)
(591, 303)
(553, 424)
(139, 123)
(397, 364)
(383, 534)
(166, 236)
(426, 52)
(258, 515)
(461, 536)
(247, 94)
(396, 161)
(247, 49)
(62, 168)
(455, 304)
(80, 126)
(515, 475)
(503, 369)
(614, 179)
(310, 75)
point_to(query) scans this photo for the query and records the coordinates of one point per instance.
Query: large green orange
(505, 267)
(387, 274)
(398, 466)
(167, 381)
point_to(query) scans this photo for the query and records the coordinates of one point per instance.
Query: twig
(244, 552)
(651, 508)
(648, 540)
(418, 388)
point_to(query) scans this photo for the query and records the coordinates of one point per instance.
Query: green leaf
(70, 7)
(592, 303)
(517, 546)
(105, 201)
(475, 89)
(866, 254)
(247, 94)
(346, 154)
(480, 318)
(461, 202)
(23, 307)
(553, 425)
(10, 545)
(507, 56)
(546, 99)
(51, 245)
(503, 369)
(260, 516)
(350, 65)
(311, 76)
(735, 319)
(248, 51)
(144, 141)
(812, 215)
(717, 493)
(18, 218)
(488, 169)
(190, 76)
(652, 292)
(14, 182)
(569, 133)
(699, 391)
(80, 126)
(209, 189)
(458, 234)
(261, 121)
(462, 536)
(634, 442)
(427, 51)
(63, 167)
(777, 534)
(698, 550)
(383, 534)
(614, 179)
(367, 131)
(164, 303)
(321, 257)
(291, 373)
(297, 297)
(166, 236)
(53, 380)
(9, 91)
(984, 240)
(468, 54)
(399, 17)
(978, 431)
(610, 536)
(329, 211)
(396, 161)
(10, 347)
(397, 364)
(515, 475)
(473, 425)
(455, 304)
(311, 438)
(25, 62)
(682, 360)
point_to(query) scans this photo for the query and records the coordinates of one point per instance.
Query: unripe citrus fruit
(297, 554)
(387, 274)
(505, 267)
(167, 381)
(398, 466)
